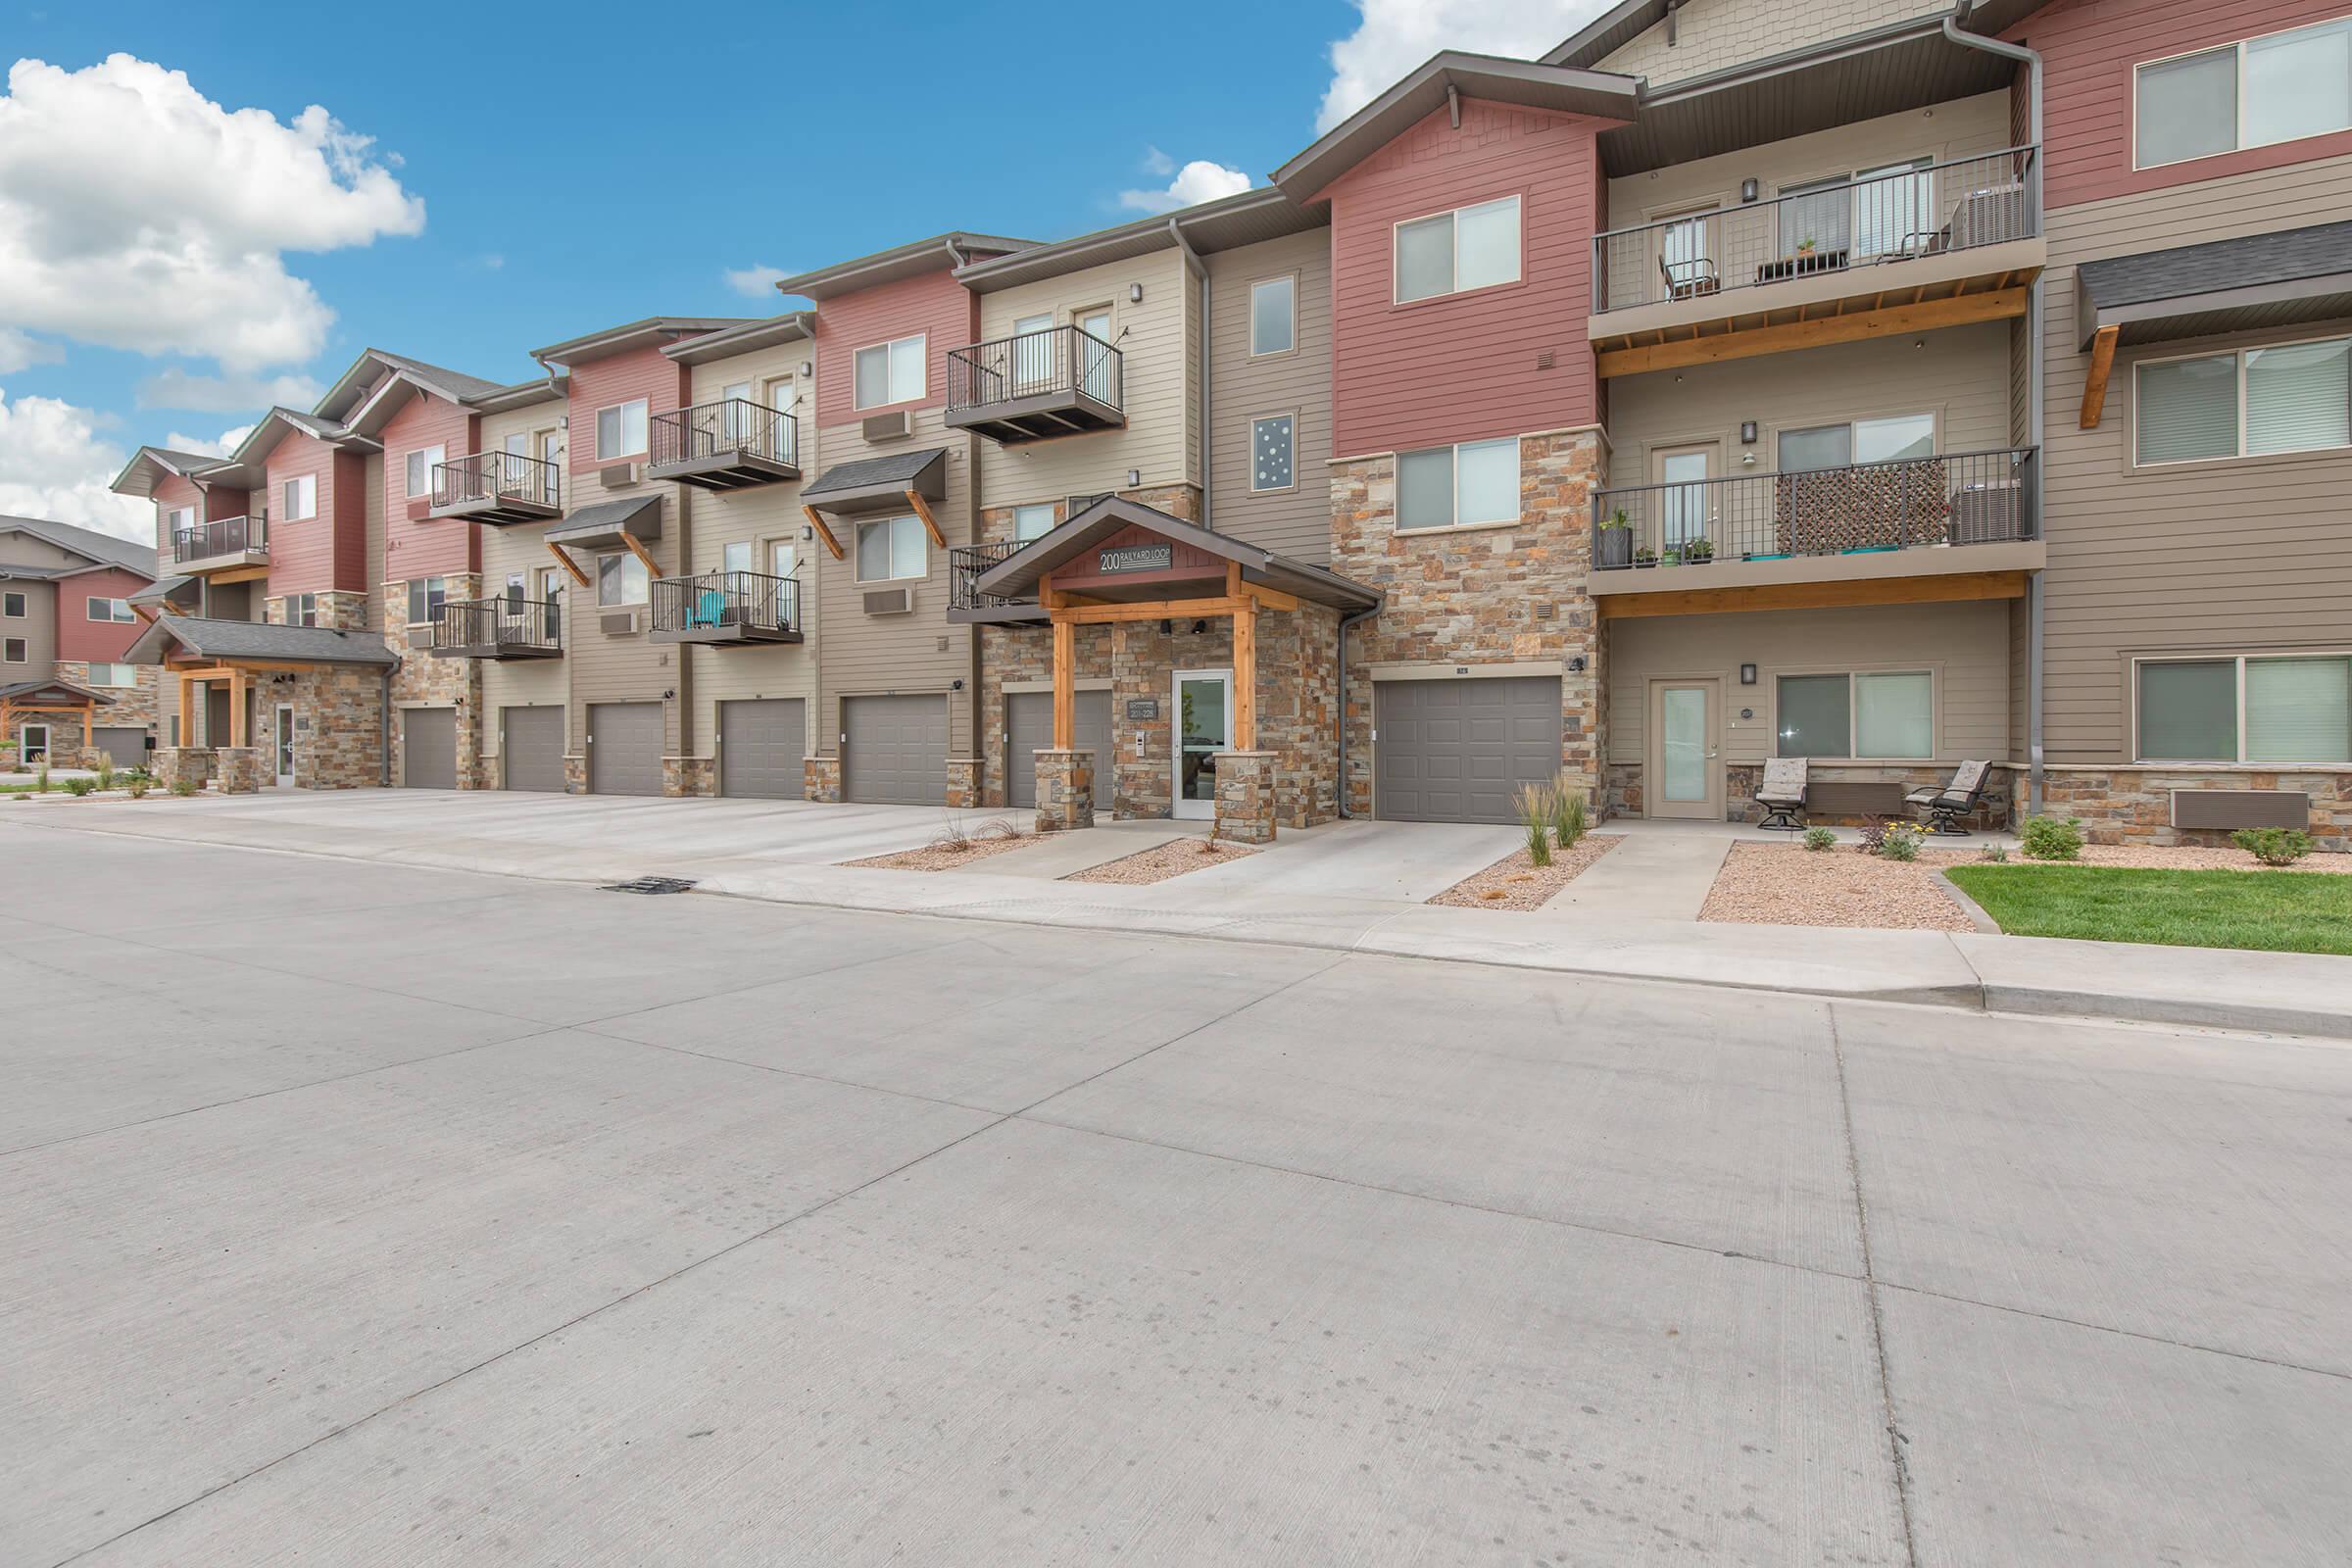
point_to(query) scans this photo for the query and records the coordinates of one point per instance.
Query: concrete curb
(1968, 905)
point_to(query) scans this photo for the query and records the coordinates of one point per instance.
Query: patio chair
(1782, 793)
(1944, 807)
(1690, 279)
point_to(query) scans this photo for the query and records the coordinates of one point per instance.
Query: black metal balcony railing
(1961, 498)
(222, 536)
(967, 564)
(727, 601)
(1891, 216)
(505, 625)
(727, 427)
(1032, 364)
(493, 476)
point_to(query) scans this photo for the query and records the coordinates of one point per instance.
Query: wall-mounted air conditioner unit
(616, 475)
(889, 602)
(889, 426)
(617, 623)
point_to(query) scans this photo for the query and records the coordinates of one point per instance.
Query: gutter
(2035, 421)
(1199, 270)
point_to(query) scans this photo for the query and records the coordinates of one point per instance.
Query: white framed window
(620, 430)
(1886, 715)
(298, 497)
(2248, 402)
(114, 676)
(302, 610)
(1031, 521)
(1457, 486)
(1454, 253)
(1274, 452)
(621, 580)
(891, 372)
(180, 518)
(891, 549)
(426, 595)
(735, 555)
(2251, 707)
(2256, 92)
(420, 466)
(15, 651)
(1836, 446)
(13, 605)
(32, 742)
(109, 609)
(1274, 315)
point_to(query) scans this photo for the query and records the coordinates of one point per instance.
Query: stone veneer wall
(132, 704)
(423, 680)
(963, 781)
(338, 727)
(684, 777)
(175, 763)
(1065, 791)
(1480, 595)
(1741, 780)
(2134, 806)
(1247, 791)
(821, 776)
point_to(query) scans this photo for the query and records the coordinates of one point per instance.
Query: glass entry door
(1094, 377)
(1203, 728)
(285, 746)
(1685, 776)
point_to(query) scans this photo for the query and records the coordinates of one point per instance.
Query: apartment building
(67, 696)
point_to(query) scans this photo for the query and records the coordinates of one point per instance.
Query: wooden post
(1244, 677)
(238, 721)
(188, 711)
(1066, 675)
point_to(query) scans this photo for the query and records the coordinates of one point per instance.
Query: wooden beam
(1065, 686)
(144, 613)
(238, 574)
(652, 568)
(1244, 677)
(560, 553)
(1832, 594)
(1270, 597)
(824, 531)
(1925, 317)
(2103, 364)
(1148, 609)
(239, 722)
(922, 510)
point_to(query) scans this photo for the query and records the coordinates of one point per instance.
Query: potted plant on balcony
(1699, 552)
(1613, 544)
(1645, 557)
(1673, 556)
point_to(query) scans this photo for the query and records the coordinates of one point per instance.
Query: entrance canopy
(232, 652)
(53, 698)
(1123, 552)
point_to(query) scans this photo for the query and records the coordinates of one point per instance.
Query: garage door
(761, 747)
(428, 748)
(624, 747)
(532, 743)
(897, 751)
(125, 748)
(1030, 718)
(1456, 751)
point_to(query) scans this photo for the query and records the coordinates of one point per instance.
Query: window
(425, 597)
(620, 430)
(299, 497)
(1273, 316)
(2296, 397)
(302, 610)
(1872, 713)
(889, 373)
(1452, 253)
(13, 605)
(15, 651)
(32, 742)
(109, 610)
(421, 466)
(783, 559)
(891, 548)
(178, 519)
(620, 580)
(2256, 93)
(1836, 446)
(114, 676)
(1032, 522)
(735, 555)
(1271, 443)
(1446, 487)
(517, 589)
(2282, 708)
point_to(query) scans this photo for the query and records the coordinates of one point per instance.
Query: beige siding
(527, 682)
(2230, 556)
(625, 668)
(1150, 336)
(1965, 644)
(38, 626)
(1296, 521)
(1717, 34)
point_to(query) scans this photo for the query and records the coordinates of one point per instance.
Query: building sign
(1137, 558)
(1141, 709)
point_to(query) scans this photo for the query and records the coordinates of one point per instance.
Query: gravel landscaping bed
(1161, 862)
(944, 855)
(2149, 856)
(1514, 883)
(1786, 884)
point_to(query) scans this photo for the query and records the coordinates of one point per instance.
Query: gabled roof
(350, 389)
(937, 254)
(149, 465)
(164, 590)
(47, 688)
(1018, 574)
(101, 549)
(254, 639)
(791, 326)
(1440, 79)
(1608, 32)
(635, 334)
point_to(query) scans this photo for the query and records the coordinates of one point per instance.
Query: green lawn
(2275, 911)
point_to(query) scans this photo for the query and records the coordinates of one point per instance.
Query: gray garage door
(897, 751)
(624, 747)
(761, 747)
(1030, 718)
(125, 747)
(1456, 751)
(531, 745)
(428, 748)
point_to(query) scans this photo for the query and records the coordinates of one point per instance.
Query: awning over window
(602, 525)
(879, 484)
(2229, 285)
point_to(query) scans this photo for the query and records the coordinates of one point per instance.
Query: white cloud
(1396, 35)
(214, 446)
(756, 282)
(54, 465)
(16, 351)
(227, 394)
(1196, 181)
(1157, 164)
(137, 213)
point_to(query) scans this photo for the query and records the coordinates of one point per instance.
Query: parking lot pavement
(369, 1214)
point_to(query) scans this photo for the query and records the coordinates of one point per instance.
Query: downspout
(1347, 622)
(383, 727)
(2034, 421)
(1199, 270)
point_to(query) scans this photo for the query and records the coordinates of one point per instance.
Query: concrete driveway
(438, 1219)
(1411, 862)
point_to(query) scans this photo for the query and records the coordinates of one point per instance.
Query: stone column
(963, 780)
(1065, 789)
(1245, 796)
(175, 763)
(821, 776)
(242, 771)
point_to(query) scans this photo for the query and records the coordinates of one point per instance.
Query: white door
(285, 746)
(1682, 755)
(780, 428)
(735, 413)
(1097, 375)
(1203, 728)
(1032, 356)
(1686, 503)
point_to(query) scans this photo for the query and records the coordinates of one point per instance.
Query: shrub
(183, 787)
(2273, 845)
(1568, 821)
(106, 773)
(1537, 802)
(2052, 838)
(78, 787)
(1899, 842)
(1818, 839)
(1995, 853)
(1874, 834)
(139, 788)
(40, 779)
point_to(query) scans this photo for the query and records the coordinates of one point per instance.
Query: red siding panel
(301, 553)
(620, 379)
(2090, 49)
(934, 304)
(78, 636)
(424, 547)
(1466, 366)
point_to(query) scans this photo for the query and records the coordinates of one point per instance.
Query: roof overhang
(793, 326)
(938, 254)
(653, 330)
(151, 466)
(553, 388)
(1606, 33)
(167, 591)
(609, 524)
(242, 642)
(2254, 282)
(36, 694)
(1267, 213)
(868, 485)
(1020, 575)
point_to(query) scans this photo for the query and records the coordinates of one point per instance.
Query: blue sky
(526, 173)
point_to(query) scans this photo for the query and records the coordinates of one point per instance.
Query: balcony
(224, 545)
(497, 487)
(729, 445)
(499, 628)
(968, 606)
(1867, 534)
(726, 610)
(1906, 251)
(1059, 382)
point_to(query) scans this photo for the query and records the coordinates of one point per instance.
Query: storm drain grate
(651, 884)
